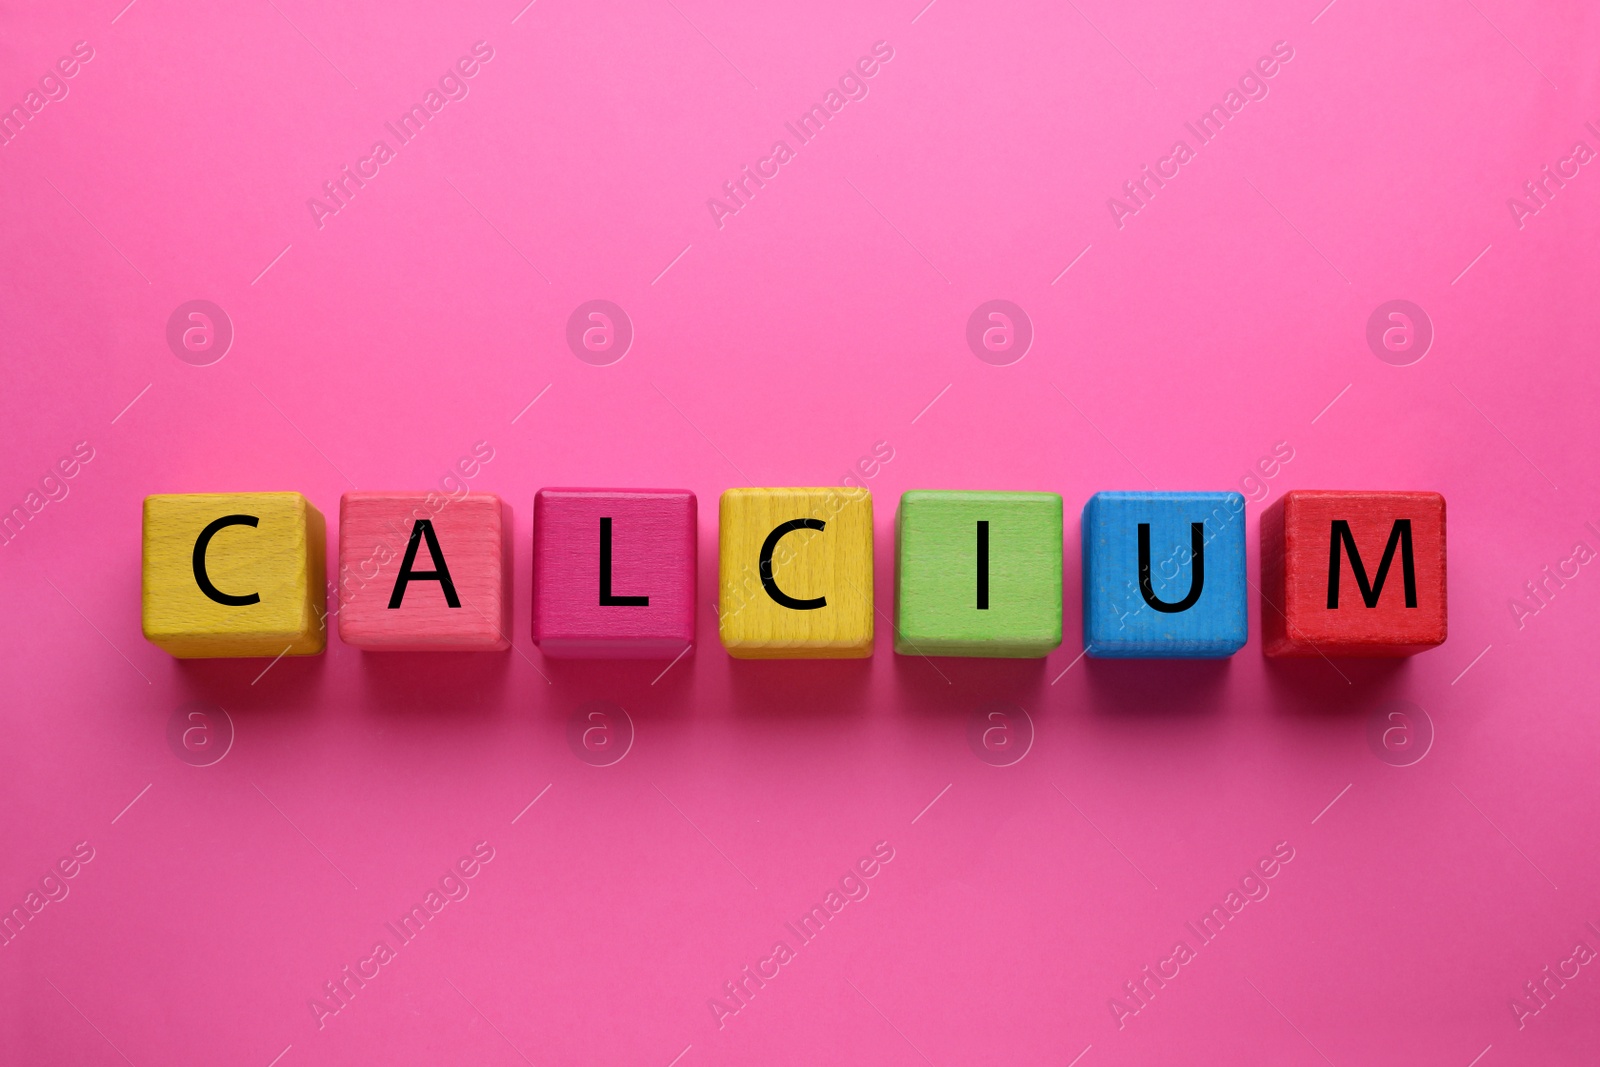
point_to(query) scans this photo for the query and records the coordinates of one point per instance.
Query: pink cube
(613, 572)
(424, 571)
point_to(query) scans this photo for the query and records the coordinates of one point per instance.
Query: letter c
(202, 579)
(1162, 170)
(762, 971)
(767, 547)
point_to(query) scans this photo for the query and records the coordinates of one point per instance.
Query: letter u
(1197, 575)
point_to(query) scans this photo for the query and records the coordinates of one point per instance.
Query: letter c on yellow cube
(795, 570)
(234, 574)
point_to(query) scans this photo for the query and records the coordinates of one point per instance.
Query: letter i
(983, 564)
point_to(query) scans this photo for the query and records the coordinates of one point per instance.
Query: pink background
(1223, 318)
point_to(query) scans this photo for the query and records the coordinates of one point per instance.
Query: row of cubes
(976, 573)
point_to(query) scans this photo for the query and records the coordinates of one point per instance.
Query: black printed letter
(983, 564)
(1197, 576)
(440, 573)
(202, 543)
(606, 599)
(1399, 534)
(767, 548)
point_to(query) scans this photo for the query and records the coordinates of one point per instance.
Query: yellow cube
(795, 570)
(234, 574)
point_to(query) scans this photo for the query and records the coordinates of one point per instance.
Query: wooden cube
(614, 572)
(1164, 575)
(234, 574)
(795, 573)
(977, 574)
(1353, 574)
(424, 571)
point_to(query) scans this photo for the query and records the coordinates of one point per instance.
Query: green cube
(977, 574)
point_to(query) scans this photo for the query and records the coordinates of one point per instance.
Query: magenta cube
(613, 572)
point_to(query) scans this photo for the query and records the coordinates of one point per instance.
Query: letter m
(17, 517)
(1218, 116)
(412, 122)
(418, 915)
(1399, 534)
(818, 116)
(14, 922)
(16, 116)
(818, 916)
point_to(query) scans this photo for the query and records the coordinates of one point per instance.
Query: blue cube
(1164, 575)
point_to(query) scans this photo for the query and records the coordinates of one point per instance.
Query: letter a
(321, 1011)
(1119, 210)
(720, 1011)
(320, 211)
(441, 574)
(718, 209)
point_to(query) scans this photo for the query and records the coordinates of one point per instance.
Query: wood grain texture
(473, 532)
(653, 556)
(937, 574)
(833, 563)
(1121, 619)
(1298, 534)
(279, 560)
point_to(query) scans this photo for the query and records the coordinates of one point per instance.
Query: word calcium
(976, 573)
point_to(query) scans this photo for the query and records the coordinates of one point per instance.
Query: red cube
(1353, 574)
(613, 572)
(423, 571)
